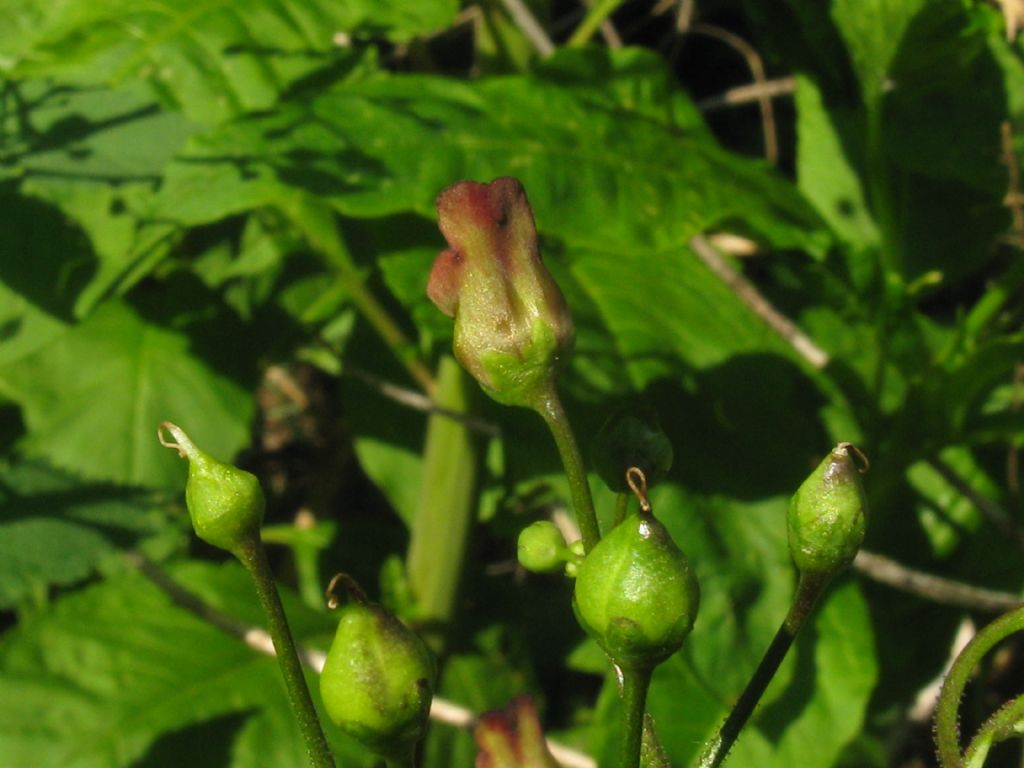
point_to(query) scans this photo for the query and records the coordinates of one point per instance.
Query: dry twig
(756, 66)
(930, 587)
(747, 293)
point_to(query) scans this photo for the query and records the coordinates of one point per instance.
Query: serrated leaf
(55, 530)
(210, 58)
(96, 680)
(94, 396)
(614, 192)
(96, 155)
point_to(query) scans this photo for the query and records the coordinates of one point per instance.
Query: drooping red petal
(445, 280)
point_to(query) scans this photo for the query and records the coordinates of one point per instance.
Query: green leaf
(94, 396)
(209, 58)
(96, 680)
(96, 154)
(873, 31)
(54, 530)
(827, 178)
(614, 193)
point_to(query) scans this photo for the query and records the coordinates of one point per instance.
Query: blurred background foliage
(778, 225)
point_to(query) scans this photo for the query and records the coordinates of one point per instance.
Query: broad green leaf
(614, 193)
(96, 154)
(55, 530)
(826, 176)
(100, 677)
(209, 58)
(873, 31)
(93, 397)
(811, 719)
(595, 173)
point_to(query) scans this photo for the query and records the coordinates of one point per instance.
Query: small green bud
(378, 679)
(512, 327)
(225, 502)
(636, 594)
(631, 438)
(542, 547)
(828, 514)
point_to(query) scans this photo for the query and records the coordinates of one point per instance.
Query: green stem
(635, 683)
(550, 408)
(621, 507)
(316, 222)
(1006, 723)
(447, 506)
(595, 17)
(808, 590)
(254, 558)
(947, 709)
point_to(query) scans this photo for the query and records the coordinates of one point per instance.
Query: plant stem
(254, 558)
(550, 408)
(596, 16)
(946, 729)
(316, 222)
(635, 683)
(808, 590)
(447, 505)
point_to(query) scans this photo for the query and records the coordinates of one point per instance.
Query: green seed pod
(542, 547)
(631, 438)
(828, 514)
(636, 594)
(378, 679)
(225, 503)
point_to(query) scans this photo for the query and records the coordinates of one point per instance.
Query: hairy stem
(254, 558)
(554, 416)
(947, 710)
(635, 683)
(808, 590)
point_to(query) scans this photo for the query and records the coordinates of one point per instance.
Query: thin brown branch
(441, 710)
(758, 304)
(934, 588)
(523, 18)
(745, 94)
(756, 66)
(420, 402)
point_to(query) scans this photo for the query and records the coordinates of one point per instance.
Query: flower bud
(631, 438)
(636, 594)
(512, 327)
(828, 514)
(378, 679)
(542, 547)
(225, 502)
(512, 738)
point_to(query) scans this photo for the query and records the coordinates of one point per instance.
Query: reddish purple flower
(512, 327)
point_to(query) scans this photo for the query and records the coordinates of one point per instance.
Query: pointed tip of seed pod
(180, 440)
